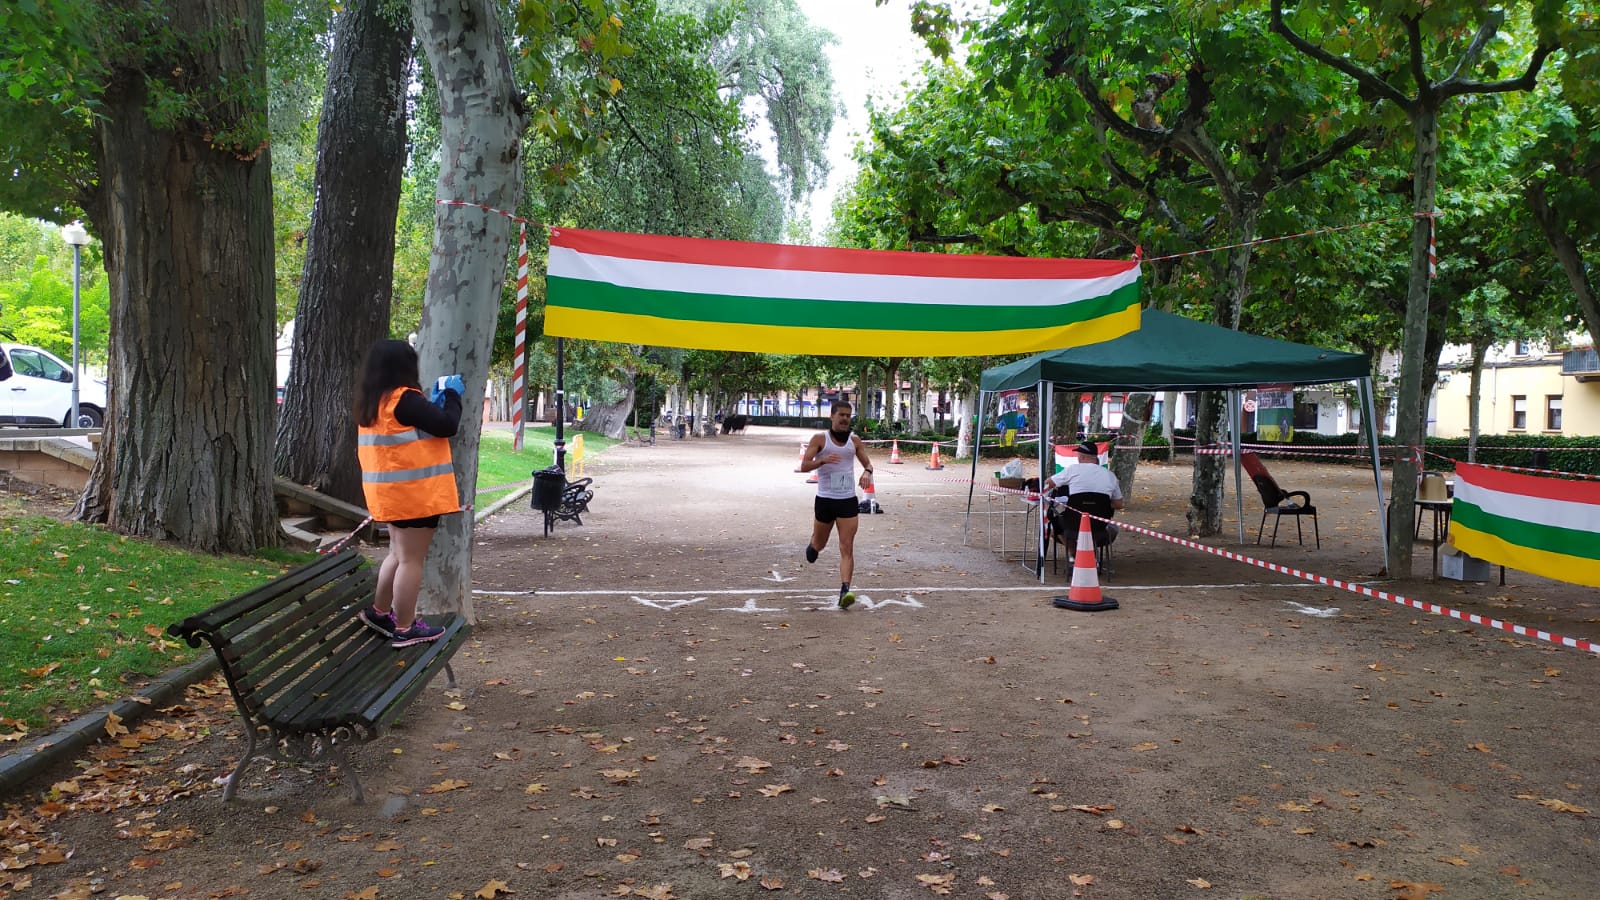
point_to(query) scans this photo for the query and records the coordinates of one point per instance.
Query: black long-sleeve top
(414, 409)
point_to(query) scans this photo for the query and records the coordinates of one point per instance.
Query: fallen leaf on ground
(495, 888)
(833, 875)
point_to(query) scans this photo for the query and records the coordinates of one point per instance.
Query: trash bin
(548, 485)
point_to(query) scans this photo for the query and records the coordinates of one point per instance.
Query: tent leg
(1046, 401)
(1370, 419)
(1236, 414)
(977, 448)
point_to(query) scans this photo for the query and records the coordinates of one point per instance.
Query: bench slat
(297, 582)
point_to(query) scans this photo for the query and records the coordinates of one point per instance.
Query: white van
(39, 391)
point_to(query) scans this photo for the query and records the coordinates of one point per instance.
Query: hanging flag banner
(1543, 526)
(781, 298)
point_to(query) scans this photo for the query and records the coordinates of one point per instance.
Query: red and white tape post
(519, 348)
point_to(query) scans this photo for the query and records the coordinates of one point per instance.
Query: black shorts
(424, 522)
(843, 508)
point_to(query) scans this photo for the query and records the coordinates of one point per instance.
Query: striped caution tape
(1434, 608)
(1554, 472)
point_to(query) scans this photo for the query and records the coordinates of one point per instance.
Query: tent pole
(1046, 397)
(1370, 420)
(1236, 413)
(977, 447)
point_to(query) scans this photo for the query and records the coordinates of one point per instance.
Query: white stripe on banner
(789, 284)
(1543, 510)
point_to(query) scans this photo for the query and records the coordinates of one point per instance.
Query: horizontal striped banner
(774, 298)
(1545, 526)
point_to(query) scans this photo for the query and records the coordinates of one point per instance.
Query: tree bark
(1130, 440)
(1571, 259)
(187, 224)
(349, 269)
(1409, 412)
(1480, 349)
(480, 132)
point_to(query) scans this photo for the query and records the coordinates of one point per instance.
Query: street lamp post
(75, 235)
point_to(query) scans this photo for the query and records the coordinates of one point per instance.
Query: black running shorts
(843, 508)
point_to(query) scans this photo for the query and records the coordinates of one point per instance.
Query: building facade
(1525, 389)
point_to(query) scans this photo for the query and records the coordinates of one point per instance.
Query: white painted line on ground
(920, 589)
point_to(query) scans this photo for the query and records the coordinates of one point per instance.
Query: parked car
(39, 391)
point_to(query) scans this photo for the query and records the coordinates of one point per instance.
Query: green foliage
(83, 612)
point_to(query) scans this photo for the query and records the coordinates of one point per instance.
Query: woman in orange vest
(407, 476)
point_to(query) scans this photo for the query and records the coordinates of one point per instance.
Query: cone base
(1103, 603)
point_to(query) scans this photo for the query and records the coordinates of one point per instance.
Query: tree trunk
(1571, 259)
(187, 226)
(1409, 413)
(1130, 440)
(349, 269)
(1480, 349)
(1205, 500)
(966, 411)
(481, 121)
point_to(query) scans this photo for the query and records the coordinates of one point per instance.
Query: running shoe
(811, 554)
(420, 632)
(847, 599)
(379, 621)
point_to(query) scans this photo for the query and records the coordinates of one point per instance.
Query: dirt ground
(662, 703)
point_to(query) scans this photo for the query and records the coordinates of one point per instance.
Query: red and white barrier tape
(1434, 608)
(1556, 472)
(1287, 237)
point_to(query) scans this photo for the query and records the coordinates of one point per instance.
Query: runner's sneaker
(420, 632)
(811, 554)
(847, 599)
(381, 622)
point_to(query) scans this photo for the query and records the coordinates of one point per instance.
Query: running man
(832, 454)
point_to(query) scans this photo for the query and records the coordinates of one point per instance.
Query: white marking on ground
(916, 589)
(1319, 612)
(665, 605)
(750, 607)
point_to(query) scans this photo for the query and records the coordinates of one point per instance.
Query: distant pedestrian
(833, 454)
(408, 479)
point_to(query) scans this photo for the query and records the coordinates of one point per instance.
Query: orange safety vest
(405, 472)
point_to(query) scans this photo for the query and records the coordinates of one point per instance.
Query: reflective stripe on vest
(405, 473)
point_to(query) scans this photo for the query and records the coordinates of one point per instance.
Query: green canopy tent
(1174, 353)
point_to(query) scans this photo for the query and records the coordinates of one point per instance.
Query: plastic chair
(1279, 502)
(1065, 523)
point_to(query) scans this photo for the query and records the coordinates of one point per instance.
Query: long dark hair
(389, 364)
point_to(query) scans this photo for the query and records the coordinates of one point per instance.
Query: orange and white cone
(800, 466)
(870, 503)
(1084, 595)
(894, 454)
(934, 462)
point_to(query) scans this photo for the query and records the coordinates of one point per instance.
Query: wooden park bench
(307, 676)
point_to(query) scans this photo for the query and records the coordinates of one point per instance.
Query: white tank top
(837, 480)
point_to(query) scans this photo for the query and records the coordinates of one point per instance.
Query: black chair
(1279, 502)
(1064, 522)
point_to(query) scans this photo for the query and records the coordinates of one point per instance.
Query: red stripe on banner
(790, 257)
(1529, 485)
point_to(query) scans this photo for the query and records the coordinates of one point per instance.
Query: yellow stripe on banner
(1558, 566)
(563, 321)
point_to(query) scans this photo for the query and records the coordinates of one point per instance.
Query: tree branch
(1523, 82)
(1366, 79)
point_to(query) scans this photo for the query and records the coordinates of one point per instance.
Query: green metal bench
(307, 676)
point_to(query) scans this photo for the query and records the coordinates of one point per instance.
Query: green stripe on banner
(1583, 545)
(865, 315)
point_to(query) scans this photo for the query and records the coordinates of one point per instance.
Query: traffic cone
(894, 454)
(800, 466)
(934, 462)
(1084, 595)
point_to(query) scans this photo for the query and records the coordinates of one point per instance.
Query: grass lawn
(84, 612)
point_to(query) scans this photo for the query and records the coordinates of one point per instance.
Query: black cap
(1087, 448)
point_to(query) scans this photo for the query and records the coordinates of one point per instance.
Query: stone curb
(24, 763)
